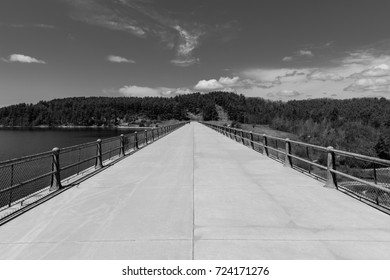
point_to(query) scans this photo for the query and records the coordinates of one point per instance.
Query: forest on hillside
(360, 125)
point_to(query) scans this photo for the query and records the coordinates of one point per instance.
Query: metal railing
(366, 178)
(25, 180)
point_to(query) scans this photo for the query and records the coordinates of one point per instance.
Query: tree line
(359, 125)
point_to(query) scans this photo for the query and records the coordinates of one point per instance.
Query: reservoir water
(18, 142)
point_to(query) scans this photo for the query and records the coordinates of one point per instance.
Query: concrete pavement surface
(196, 194)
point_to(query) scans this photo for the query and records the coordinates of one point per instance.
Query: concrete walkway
(196, 194)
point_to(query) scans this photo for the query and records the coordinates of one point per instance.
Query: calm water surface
(17, 142)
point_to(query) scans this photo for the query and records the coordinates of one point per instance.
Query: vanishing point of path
(196, 194)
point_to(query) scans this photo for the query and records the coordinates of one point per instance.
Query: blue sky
(279, 49)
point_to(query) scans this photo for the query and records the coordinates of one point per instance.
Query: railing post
(11, 184)
(99, 159)
(251, 139)
(235, 134)
(242, 137)
(153, 134)
(265, 145)
(56, 176)
(10, 198)
(136, 140)
(331, 181)
(287, 160)
(146, 136)
(122, 146)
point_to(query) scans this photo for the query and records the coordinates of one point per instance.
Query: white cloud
(23, 59)
(307, 53)
(119, 59)
(208, 85)
(132, 90)
(138, 91)
(381, 70)
(370, 84)
(357, 74)
(288, 93)
(375, 78)
(225, 83)
(299, 54)
(175, 91)
(284, 94)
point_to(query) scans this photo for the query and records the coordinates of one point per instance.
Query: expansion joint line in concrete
(193, 193)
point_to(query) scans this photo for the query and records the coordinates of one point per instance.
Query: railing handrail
(373, 185)
(68, 148)
(21, 179)
(341, 152)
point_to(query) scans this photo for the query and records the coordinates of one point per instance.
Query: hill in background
(359, 125)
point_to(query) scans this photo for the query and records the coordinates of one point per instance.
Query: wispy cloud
(107, 15)
(142, 19)
(119, 59)
(23, 59)
(187, 43)
(304, 53)
(324, 76)
(29, 25)
(287, 58)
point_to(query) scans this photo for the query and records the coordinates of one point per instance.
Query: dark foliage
(361, 125)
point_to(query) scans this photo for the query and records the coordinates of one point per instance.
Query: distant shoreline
(81, 126)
